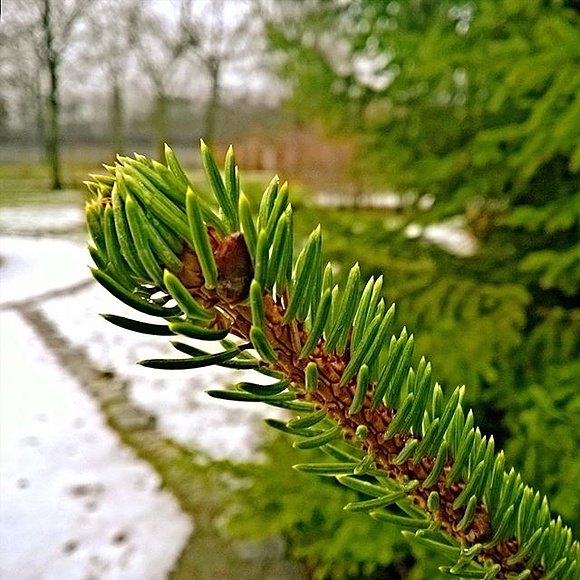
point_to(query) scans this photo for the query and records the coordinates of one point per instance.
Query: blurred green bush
(476, 104)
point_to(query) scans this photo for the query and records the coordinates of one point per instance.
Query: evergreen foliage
(477, 105)
(384, 424)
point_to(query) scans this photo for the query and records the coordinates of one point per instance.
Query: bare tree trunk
(160, 124)
(53, 126)
(116, 118)
(39, 110)
(213, 104)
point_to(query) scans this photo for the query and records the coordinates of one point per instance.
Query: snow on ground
(32, 266)
(74, 503)
(30, 219)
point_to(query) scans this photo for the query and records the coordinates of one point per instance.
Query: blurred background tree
(128, 75)
(43, 37)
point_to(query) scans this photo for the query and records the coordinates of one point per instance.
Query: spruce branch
(219, 273)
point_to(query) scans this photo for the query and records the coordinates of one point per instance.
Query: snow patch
(74, 502)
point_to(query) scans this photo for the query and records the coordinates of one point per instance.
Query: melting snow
(74, 502)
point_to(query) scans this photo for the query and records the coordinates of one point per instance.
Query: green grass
(27, 183)
(35, 196)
